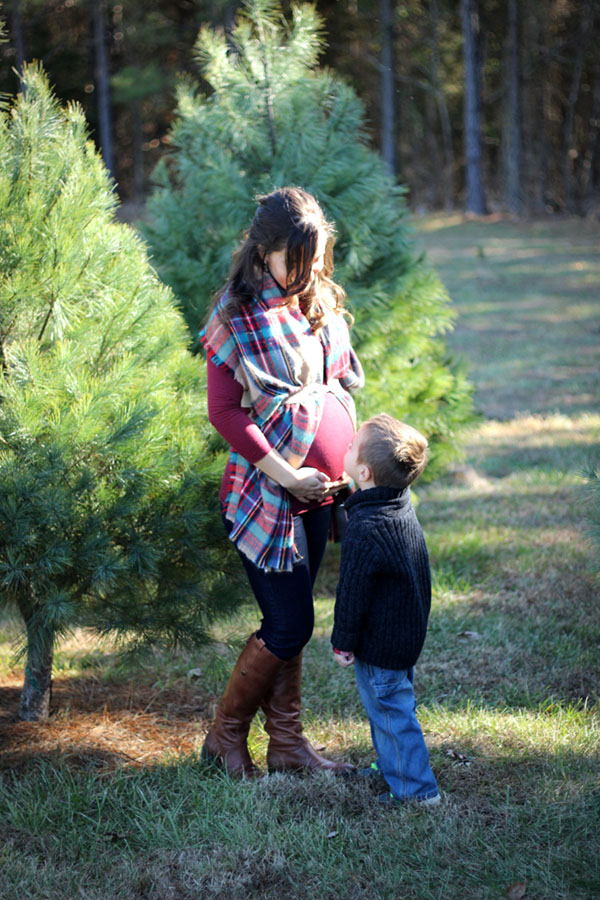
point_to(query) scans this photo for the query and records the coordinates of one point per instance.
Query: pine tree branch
(268, 87)
(132, 325)
(46, 320)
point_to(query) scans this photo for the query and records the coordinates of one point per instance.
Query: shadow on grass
(185, 831)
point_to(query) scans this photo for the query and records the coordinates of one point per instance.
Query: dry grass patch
(97, 724)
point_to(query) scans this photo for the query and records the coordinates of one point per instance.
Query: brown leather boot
(288, 749)
(226, 742)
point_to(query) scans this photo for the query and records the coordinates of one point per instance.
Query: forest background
(483, 105)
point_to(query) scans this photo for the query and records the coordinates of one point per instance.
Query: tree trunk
(593, 145)
(138, 152)
(448, 172)
(388, 88)
(102, 85)
(570, 152)
(434, 181)
(513, 121)
(535, 151)
(37, 689)
(17, 30)
(472, 111)
(229, 21)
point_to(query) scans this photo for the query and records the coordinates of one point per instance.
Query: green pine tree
(108, 478)
(271, 118)
(593, 509)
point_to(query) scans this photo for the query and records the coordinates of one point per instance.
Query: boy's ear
(364, 473)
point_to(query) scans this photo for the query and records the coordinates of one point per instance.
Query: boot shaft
(252, 676)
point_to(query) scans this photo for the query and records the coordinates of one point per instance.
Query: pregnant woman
(279, 370)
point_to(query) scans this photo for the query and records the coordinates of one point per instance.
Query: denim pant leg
(403, 759)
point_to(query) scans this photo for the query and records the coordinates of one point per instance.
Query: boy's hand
(344, 657)
(332, 487)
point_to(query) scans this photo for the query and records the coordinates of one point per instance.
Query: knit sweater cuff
(344, 640)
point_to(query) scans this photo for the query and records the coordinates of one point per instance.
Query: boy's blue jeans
(402, 757)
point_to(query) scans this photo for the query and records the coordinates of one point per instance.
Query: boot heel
(207, 757)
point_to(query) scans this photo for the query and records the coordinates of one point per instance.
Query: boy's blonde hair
(395, 452)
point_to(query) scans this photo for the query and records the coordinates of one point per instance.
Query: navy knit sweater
(384, 592)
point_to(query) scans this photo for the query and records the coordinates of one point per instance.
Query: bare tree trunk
(102, 85)
(17, 30)
(534, 102)
(434, 182)
(388, 125)
(593, 146)
(514, 141)
(472, 110)
(448, 170)
(570, 152)
(229, 19)
(449, 166)
(138, 152)
(37, 688)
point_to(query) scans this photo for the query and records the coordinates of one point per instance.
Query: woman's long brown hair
(288, 219)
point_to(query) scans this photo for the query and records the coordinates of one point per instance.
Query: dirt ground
(96, 724)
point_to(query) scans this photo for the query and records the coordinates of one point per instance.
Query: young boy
(383, 599)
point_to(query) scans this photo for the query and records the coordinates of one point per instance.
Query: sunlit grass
(528, 314)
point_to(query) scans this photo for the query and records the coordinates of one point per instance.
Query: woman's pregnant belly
(330, 443)
(329, 446)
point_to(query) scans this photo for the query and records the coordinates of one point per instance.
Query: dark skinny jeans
(285, 598)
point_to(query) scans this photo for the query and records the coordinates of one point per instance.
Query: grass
(110, 800)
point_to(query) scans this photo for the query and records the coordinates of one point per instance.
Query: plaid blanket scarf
(264, 346)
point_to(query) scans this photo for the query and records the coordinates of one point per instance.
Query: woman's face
(277, 262)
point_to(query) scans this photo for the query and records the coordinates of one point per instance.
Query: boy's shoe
(371, 771)
(388, 799)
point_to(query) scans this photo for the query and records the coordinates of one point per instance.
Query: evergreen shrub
(271, 117)
(108, 483)
(593, 509)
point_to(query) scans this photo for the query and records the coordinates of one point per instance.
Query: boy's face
(351, 465)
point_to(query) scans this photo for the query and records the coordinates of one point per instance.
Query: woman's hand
(305, 483)
(309, 484)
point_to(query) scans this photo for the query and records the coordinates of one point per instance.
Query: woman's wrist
(276, 467)
(288, 479)
(305, 483)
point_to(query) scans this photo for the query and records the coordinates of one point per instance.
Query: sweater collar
(378, 496)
